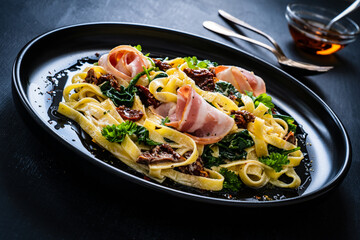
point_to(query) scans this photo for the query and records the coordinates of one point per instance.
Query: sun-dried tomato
(129, 114)
(160, 153)
(146, 97)
(202, 77)
(242, 118)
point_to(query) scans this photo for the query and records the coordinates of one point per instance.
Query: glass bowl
(307, 27)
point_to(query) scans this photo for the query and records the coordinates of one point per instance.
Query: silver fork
(306, 68)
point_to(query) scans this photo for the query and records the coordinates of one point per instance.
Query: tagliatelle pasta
(186, 120)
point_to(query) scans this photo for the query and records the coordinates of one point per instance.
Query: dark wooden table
(47, 192)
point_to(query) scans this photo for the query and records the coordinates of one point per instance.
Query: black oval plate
(37, 70)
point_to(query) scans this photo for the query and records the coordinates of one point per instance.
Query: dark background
(47, 192)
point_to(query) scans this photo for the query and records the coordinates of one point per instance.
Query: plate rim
(335, 181)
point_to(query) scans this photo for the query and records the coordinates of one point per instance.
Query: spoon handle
(246, 25)
(348, 10)
(282, 59)
(227, 32)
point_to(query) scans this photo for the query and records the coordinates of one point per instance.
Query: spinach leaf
(238, 141)
(232, 181)
(232, 147)
(272, 148)
(122, 97)
(227, 89)
(126, 95)
(209, 159)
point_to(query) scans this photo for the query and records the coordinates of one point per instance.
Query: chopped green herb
(265, 99)
(96, 64)
(151, 60)
(232, 181)
(251, 95)
(147, 73)
(162, 59)
(191, 62)
(202, 64)
(165, 120)
(138, 47)
(194, 63)
(117, 133)
(208, 64)
(262, 98)
(275, 160)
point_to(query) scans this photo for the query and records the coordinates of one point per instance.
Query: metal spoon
(348, 10)
(306, 68)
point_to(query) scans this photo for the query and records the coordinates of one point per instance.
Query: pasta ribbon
(85, 104)
(214, 182)
(265, 130)
(180, 141)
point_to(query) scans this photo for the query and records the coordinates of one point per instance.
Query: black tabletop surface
(48, 192)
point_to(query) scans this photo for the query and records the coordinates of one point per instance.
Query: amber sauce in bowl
(307, 28)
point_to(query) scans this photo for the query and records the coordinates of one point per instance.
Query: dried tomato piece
(160, 153)
(146, 96)
(196, 168)
(129, 114)
(242, 118)
(202, 77)
(290, 137)
(163, 66)
(91, 78)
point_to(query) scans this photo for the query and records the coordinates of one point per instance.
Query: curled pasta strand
(86, 104)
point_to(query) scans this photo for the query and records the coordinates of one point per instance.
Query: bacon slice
(124, 62)
(193, 115)
(242, 79)
(165, 109)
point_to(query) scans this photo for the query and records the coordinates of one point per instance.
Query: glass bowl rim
(293, 15)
